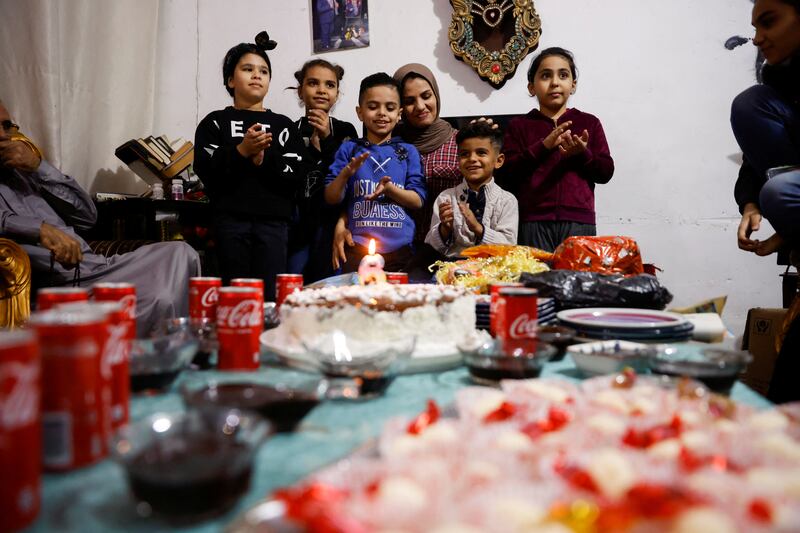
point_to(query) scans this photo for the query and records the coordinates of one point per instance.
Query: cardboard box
(762, 328)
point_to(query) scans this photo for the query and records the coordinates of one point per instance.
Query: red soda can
(20, 429)
(255, 283)
(240, 319)
(49, 297)
(117, 292)
(494, 294)
(76, 395)
(116, 354)
(286, 284)
(203, 297)
(397, 278)
(517, 317)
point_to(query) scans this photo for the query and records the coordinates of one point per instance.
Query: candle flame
(372, 247)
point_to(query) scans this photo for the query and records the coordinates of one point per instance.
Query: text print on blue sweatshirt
(382, 219)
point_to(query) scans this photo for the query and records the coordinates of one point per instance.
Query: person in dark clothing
(251, 162)
(311, 231)
(766, 122)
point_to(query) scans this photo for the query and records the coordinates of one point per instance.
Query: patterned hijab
(428, 139)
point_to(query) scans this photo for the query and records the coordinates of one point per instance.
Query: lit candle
(370, 270)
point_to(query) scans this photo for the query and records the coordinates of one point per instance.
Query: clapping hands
(255, 141)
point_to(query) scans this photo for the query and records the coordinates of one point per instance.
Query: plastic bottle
(177, 189)
(158, 191)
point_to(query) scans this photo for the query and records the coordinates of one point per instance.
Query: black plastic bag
(572, 288)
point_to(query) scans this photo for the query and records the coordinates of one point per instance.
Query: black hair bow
(264, 42)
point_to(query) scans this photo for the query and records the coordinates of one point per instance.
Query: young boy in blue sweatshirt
(378, 178)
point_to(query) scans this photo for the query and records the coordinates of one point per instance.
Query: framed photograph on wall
(339, 24)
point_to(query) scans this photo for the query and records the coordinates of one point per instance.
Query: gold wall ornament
(494, 36)
(15, 284)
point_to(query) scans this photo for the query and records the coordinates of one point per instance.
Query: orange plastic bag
(605, 255)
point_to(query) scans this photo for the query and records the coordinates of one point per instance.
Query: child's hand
(572, 145)
(354, 164)
(385, 183)
(341, 237)
(445, 219)
(555, 137)
(320, 122)
(469, 218)
(255, 141)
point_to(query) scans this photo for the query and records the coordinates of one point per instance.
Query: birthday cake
(438, 316)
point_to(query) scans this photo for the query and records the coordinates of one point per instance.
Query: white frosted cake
(438, 316)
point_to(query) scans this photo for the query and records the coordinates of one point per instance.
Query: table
(96, 498)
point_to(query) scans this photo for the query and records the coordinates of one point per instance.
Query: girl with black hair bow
(251, 162)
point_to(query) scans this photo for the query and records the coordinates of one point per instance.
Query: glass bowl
(202, 329)
(284, 405)
(559, 336)
(607, 357)
(156, 362)
(371, 365)
(491, 360)
(190, 464)
(716, 368)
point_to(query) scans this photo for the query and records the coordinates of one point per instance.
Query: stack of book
(155, 159)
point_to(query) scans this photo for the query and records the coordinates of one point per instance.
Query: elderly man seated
(40, 208)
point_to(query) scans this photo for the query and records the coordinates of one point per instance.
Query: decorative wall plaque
(494, 36)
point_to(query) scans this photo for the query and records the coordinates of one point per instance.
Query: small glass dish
(371, 365)
(156, 362)
(716, 368)
(559, 336)
(607, 357)
(202, 329)
(492, 360)
(190, 465)
(284, 405)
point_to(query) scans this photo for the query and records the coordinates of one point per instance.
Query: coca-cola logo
(129, 303)
(116, 348)
(245, 314)
(20, 406)
(210, 297)
(523, 327)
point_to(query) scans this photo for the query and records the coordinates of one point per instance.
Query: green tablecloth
(96, 498)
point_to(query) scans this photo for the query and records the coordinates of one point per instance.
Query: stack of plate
(546, 311)
(637, 325)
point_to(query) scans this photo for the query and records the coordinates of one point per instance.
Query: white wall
(654, 71)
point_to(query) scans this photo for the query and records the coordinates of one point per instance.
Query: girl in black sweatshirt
(251, 161)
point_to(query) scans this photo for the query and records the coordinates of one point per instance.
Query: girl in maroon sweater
(554, 157)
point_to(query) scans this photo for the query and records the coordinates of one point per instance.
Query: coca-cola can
(240, 320)
(49, 297)
(517, 317)
(203, 297)
(397, 278)
(117, 292)
(76, 387)
(116, 354)
(286, 284)
(20, 429)
(494, 294)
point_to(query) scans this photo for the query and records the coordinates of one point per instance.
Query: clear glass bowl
(559, 336)
(156, 362)
(284, 405)
(491, 360)
(716, 368)
(202, 329)
(370, 365)
(190, 464)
